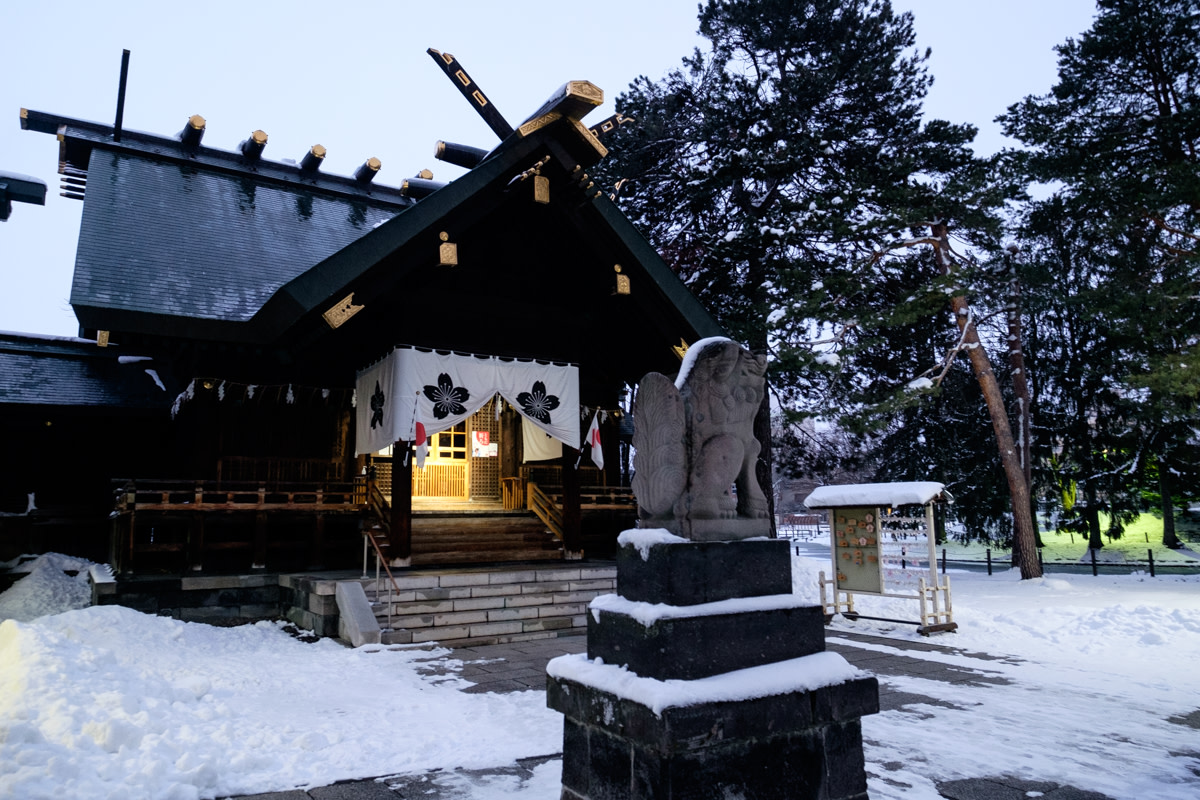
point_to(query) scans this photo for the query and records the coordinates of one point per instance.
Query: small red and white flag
(593, 438)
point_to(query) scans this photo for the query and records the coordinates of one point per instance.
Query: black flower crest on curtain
(378, 400)
(537, 404)
(447, 398)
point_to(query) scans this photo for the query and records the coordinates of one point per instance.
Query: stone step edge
(532, 636)
(454, 636)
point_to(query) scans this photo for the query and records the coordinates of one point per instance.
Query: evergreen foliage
(1115, 248)
(787, 174)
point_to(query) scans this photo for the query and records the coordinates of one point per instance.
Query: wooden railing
(379, 506)
(275, 470)
(551, 474)
(180, 495)
(546, 509)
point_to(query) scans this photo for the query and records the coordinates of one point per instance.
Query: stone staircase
(490, 605)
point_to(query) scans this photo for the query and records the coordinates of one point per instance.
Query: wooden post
(260, 538)
(316, 553)
(400, 536)
(572, 514)
(195, 542)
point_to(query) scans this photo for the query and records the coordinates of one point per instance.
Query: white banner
(439, 390)
(538, 445)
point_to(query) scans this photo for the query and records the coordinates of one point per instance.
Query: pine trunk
(1025, 542)
(1022, 393)
(1091, 515)
(1170, 538)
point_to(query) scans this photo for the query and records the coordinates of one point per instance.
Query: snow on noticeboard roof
(877, 494)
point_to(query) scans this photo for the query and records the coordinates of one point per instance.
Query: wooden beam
(572, 514)
(475, 96)
(400, 535)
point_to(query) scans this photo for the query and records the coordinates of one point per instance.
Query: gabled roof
(194, 233)
(201, 247)
(62, 372)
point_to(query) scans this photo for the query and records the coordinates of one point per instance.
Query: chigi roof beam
(475, 96)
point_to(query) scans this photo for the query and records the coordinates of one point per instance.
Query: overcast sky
(354, 77)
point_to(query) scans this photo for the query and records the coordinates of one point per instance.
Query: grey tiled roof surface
(182, 240)
(65, 372)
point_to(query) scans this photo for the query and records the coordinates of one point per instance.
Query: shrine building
(273, 360)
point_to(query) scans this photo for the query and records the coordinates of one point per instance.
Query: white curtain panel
(439, 390)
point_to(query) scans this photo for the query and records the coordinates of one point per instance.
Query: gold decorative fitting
(425, 175)
(102, 338)
(538, 123)
(622, 280)
(589, 137)
(541, 189)
(680, 349)
(479, 98)
(447, 251)
(337, 314)
(462, 77)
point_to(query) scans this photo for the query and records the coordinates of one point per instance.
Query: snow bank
(107, 702)
(46, 588)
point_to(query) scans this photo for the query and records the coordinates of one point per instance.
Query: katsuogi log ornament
(694, 443)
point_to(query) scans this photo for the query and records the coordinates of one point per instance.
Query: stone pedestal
(705, 679)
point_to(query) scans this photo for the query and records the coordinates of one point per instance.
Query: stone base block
(692, 647)
(805, 744)
(681, 574)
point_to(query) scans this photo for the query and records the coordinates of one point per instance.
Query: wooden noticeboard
(855, 541)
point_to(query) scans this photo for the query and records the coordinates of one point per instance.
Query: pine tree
(787, 175)
(1119, 136)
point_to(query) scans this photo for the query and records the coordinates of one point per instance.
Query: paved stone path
(522, 665)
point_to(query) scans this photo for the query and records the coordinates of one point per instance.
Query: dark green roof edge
(330, 279)
(664, 277)
(305, 294)
(90, 135)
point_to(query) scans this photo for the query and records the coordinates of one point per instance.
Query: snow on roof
(876, 494)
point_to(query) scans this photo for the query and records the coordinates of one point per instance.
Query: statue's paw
(755, 509)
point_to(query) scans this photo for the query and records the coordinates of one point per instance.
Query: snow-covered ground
(109, 703)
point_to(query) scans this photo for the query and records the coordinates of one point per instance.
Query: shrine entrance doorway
(446, 470)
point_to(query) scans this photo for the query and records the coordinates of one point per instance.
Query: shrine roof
(53, 371)
(194, 232)
(190, 244)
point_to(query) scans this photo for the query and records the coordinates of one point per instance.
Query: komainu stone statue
(694, 445)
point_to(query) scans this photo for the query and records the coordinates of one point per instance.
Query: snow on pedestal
(706, 678)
